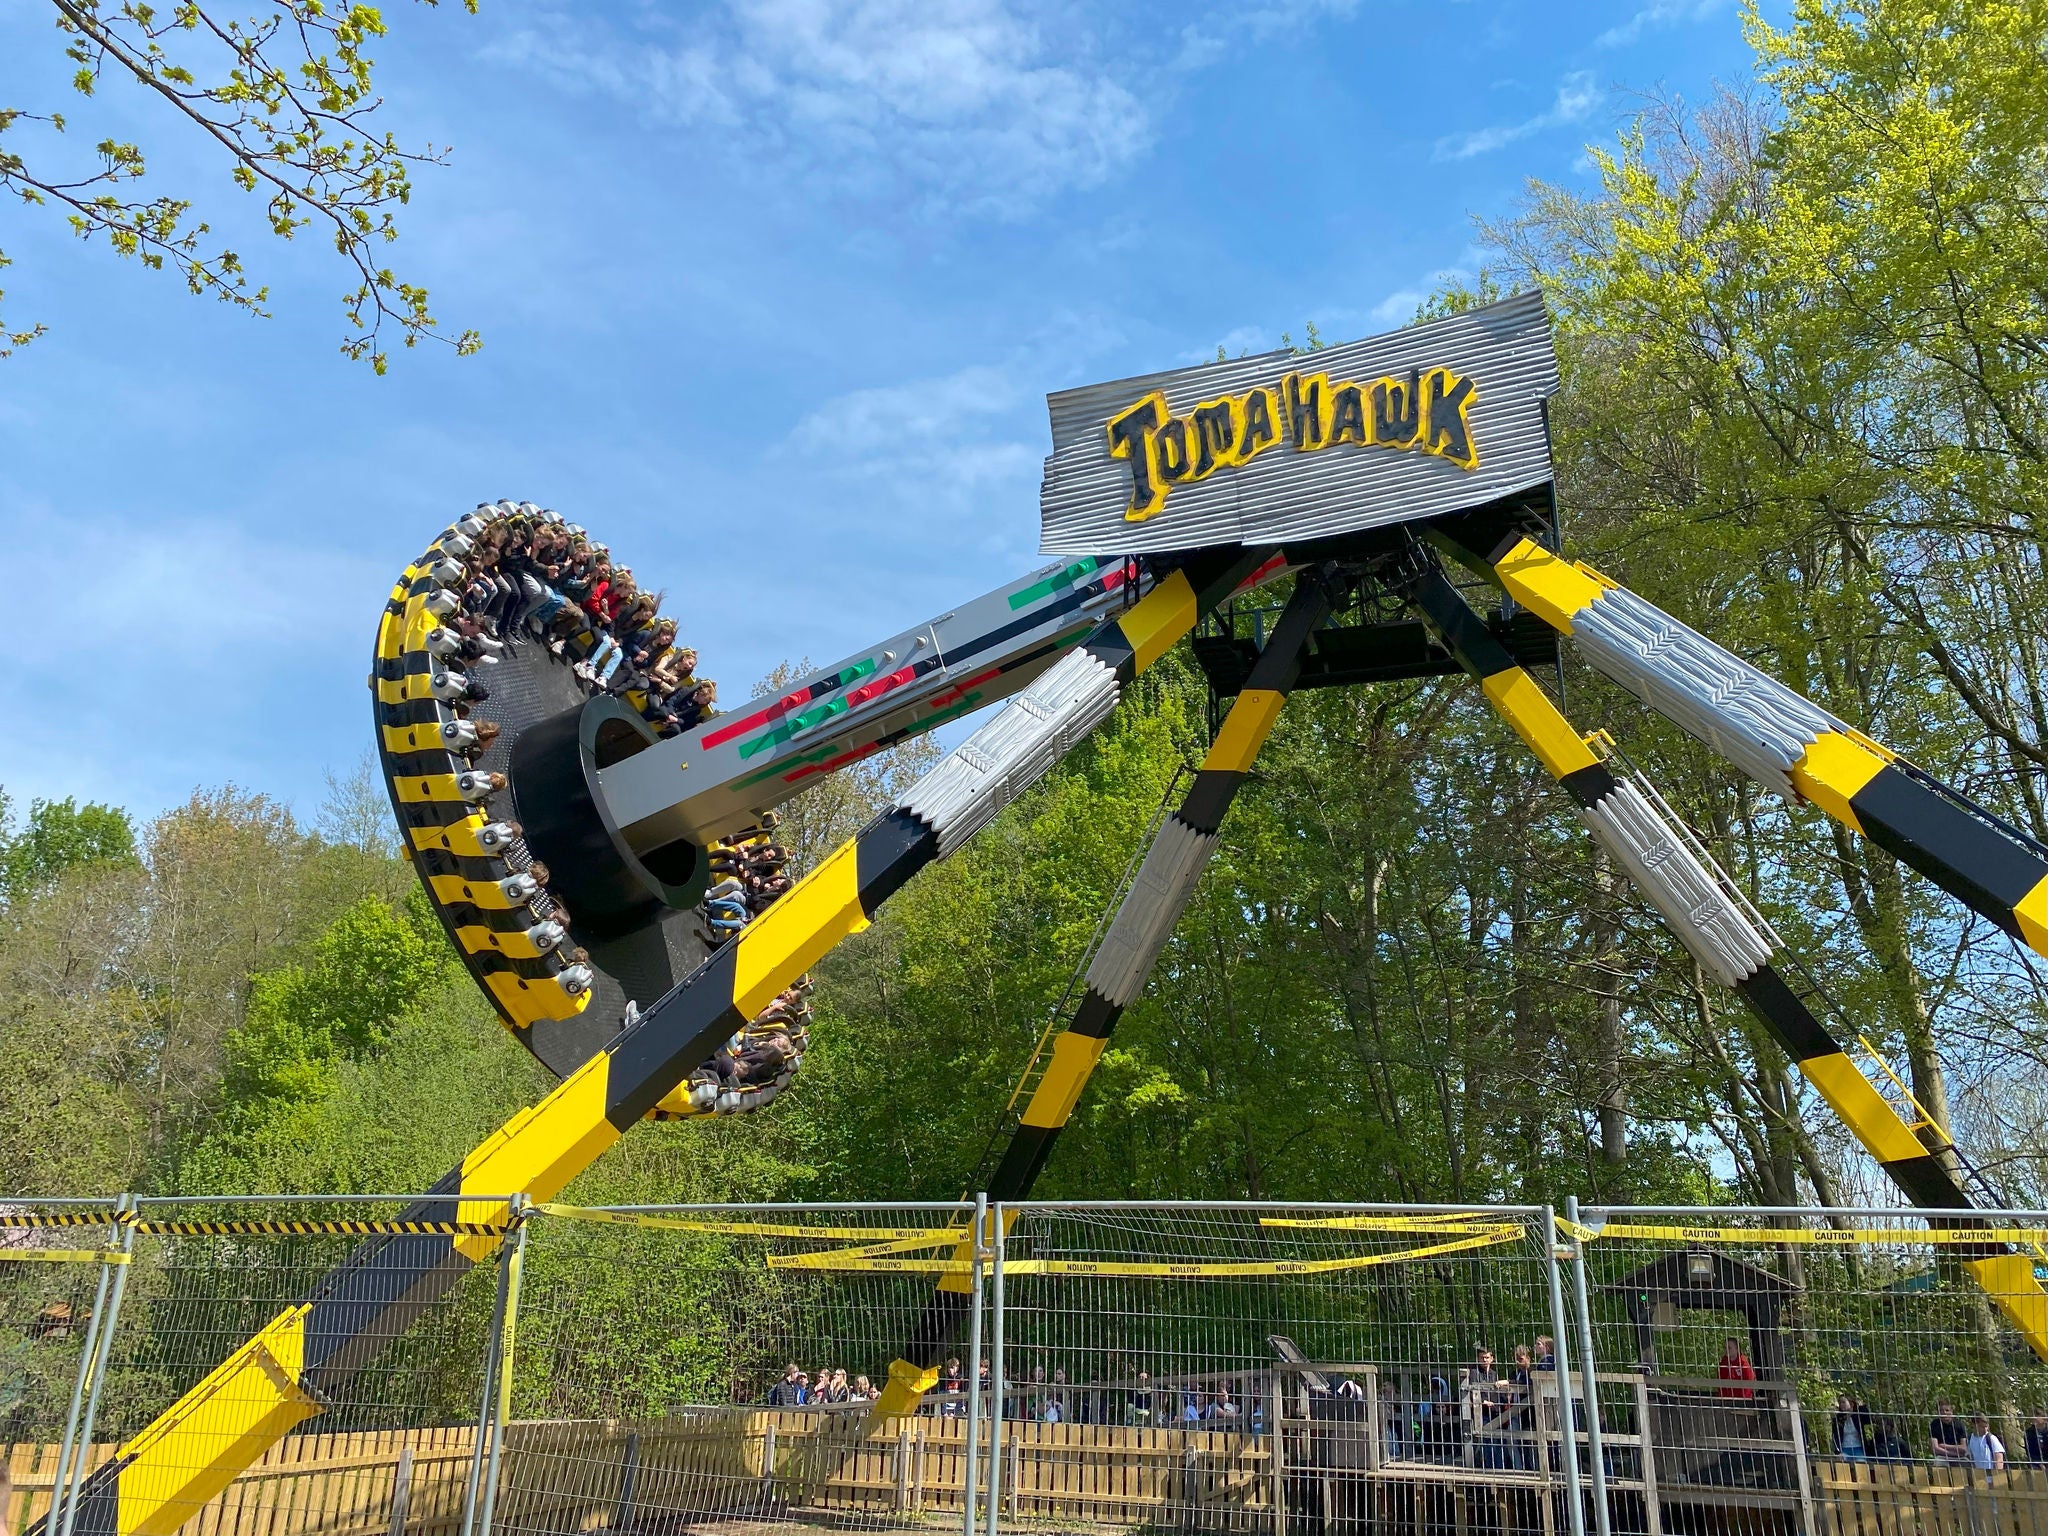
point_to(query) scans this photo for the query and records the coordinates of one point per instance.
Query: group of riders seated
(527, 576)
(529, 573)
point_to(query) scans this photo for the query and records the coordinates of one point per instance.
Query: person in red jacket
(1735, 1366)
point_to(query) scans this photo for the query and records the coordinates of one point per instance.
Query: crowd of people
(831, 1388)
(1862, 1434)
(512, 573)
(1484, 1408)
(526, 572)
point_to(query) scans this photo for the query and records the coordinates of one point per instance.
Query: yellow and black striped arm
(1728, 945)
(1785, 741)
(1137, 934)
(1165, 883)
(284, 1375)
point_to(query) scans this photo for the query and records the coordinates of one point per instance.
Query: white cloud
(867, 421)
(1398, 307)
(1654, 17)
(964, 100)
(1237, 340)
(1577, 96)
(942, 441)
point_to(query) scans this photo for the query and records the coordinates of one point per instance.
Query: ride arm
(1730, 947)
(724, 772)
(290, 1370)
(1143, 923)
(1782, 740)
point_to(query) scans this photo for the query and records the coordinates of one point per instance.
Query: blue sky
(772, 292)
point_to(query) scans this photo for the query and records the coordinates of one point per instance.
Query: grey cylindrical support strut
(969, 1484)
(995, 1379)
(1590, 1369)
(1567, 1428)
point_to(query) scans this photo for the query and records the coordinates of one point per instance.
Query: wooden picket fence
(786, 1465)
(792, 1467)
(366, 1483)
(1863, 1498)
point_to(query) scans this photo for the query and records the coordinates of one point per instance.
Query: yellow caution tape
(1230, 1268)
(62, 1256)
(1823, 1237)
(752, 1228)
(868, 1251)
(1472, 1223)
(101, 1218)
(319, 1229)
(840, 1263)
(1143, 1269)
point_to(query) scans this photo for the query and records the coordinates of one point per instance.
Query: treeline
(1804, 332)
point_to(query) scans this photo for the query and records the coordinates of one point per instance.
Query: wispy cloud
(1655, 17)
(945, 441)
(1577, 96)
(1208, 39)
(964, 100)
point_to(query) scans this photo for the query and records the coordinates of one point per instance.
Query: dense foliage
(1805, 340)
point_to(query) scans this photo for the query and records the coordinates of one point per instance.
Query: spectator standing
(789, 1391)
(2036, 1444)
(1985, 1450)
(1735, 1366)
(1852, 1442)
(1948, 1441)
(952, 1389)
(1139, 1409)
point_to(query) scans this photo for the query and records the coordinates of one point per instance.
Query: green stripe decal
(1086, 566)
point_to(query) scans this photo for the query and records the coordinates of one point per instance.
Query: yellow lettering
(1425, 412)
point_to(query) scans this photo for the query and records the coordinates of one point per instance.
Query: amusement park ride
(1355, 473)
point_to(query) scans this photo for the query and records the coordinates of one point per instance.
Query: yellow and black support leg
(1137, 934)
(1784, 741)
(284, 1375)
(1728, 946)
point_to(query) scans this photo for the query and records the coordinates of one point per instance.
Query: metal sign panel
(1288, 445)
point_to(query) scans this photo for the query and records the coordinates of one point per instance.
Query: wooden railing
(809, 1466)
(368, 1483)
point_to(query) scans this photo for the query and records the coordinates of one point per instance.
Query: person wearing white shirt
(1987, 1451)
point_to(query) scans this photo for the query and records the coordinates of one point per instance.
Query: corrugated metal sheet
(1505, 348)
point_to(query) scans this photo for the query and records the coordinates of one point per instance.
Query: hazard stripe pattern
(1992, 870)
(1917, 1170)
(278, 1379)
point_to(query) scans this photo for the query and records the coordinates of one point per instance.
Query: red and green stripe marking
(813, 705)
(844, 677)
(957, 700)
(1060, 580)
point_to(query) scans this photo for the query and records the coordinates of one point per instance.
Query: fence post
(997, 1241)
(401, 1491)
(969, 1482)
(1581, 1295)
(60, 1489)
(1567, 1428)
(629, 1470)
(99, 1349)
(488, 1405)
(508, 1337)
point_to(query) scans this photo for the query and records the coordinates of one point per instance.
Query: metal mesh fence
(1272, 1367)
(296, 1367)
(58, 1262)
(1805, 1371)
(700, 1364)
(1211, 1367)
